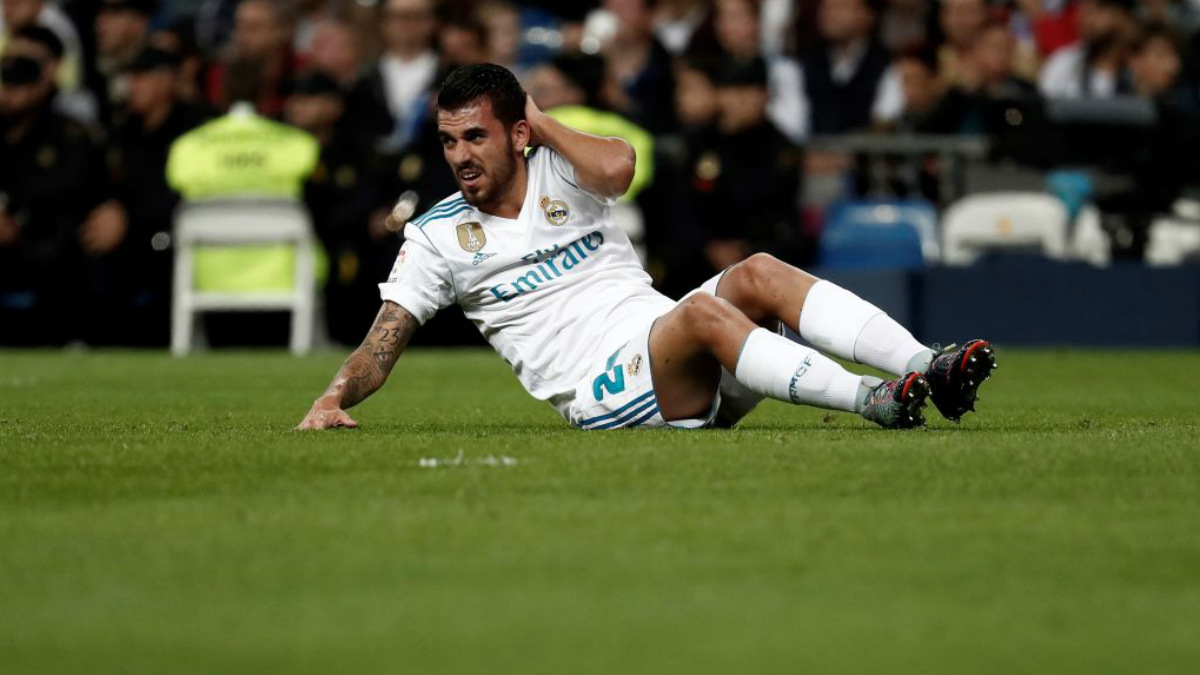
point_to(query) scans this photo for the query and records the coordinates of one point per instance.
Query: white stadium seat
(243, 222)
(1089, 241)
(1015, 221)
(1173, 242)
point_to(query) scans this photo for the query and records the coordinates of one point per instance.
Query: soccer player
(529, 252)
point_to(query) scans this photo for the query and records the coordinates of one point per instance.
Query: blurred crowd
(721, 97)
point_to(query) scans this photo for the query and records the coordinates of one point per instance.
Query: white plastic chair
(243, 222)
(1018, 221)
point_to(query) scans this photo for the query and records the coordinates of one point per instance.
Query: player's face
(481, 152)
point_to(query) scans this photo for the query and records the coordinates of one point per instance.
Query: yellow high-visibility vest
(244, 155)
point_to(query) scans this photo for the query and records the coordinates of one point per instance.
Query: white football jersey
(549, 291)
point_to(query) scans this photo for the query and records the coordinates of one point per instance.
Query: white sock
(774, 366)
(839, 322)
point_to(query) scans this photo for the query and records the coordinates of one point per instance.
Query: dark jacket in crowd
(744, 186)
(839, 107)
(51, 177)
(137, 160)
(973, 112)
(348, 185)
(652, 94)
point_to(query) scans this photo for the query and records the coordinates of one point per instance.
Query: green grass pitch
(160, 516)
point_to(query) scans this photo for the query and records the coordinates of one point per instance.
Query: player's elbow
(618, 170)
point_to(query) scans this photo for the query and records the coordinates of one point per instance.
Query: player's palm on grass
(326, 416)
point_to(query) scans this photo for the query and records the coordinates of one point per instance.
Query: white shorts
(618, 391)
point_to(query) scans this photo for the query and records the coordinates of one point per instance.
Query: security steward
(51, 171)
(128, 238)
(342, 193)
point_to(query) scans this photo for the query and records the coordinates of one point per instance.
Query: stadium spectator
(309, 15)
(122, 27)
(1093, 66)
(1053, 23)
(462, 40)
(961, 22)
(191, 72)
(695, 95)
(923, 91)
(503, 22)
(1155, 67)
(16, 15)
(391, 100)
(569, 80)
(918, 72)
(1183, 16)
(688, 173)
(126, 239)
(984, 75)
(641, 82)
(738, 31)
(685, 27)
(44, 45)
(261, 42)
(49, 177)
(335, 51)
(848, 81)
(904, 24)
(341, 194)
(746, 181)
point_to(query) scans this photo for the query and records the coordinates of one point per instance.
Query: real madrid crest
(635, 365)
(556, 210)
(471, 237)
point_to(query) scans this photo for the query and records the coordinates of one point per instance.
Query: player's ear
(521, 135)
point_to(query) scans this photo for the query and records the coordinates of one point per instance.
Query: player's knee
(762, 273)
(759, 269)
(755, 275)
(704, 312)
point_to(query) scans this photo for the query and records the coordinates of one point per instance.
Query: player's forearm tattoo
(366, 369)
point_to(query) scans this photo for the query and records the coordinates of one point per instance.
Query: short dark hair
(585, 72)
(466, 84)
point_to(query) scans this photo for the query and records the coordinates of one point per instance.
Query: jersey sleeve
(420, 280)
(563, 170)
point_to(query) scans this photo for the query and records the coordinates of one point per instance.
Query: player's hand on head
(326, 415)
(532, 115)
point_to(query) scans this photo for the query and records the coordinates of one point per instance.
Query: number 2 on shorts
(612, 381)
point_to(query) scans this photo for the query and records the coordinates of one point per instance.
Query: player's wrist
(328, 401)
